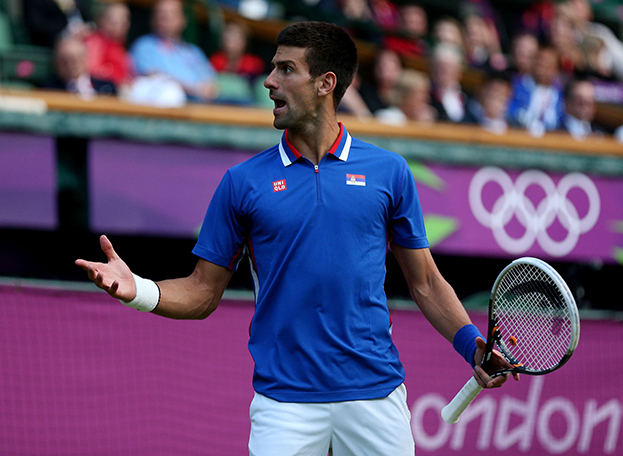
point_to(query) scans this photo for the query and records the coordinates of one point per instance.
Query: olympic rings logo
(535, 219)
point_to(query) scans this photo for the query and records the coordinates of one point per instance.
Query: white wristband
(147, 295)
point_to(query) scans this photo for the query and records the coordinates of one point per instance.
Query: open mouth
(279, 103)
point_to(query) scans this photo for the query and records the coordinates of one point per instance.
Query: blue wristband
(464, 342)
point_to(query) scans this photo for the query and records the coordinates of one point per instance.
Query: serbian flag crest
(356, 179)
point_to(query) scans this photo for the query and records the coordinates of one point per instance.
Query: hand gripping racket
(533, 321)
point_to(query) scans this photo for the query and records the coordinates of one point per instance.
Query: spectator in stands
(490, 105)
(593, 48)
(385, 14)
(352, 101)
(71, 67)
(482, 43)
(448, 30)
(409, 39)
(358, 20)
(537, 102)
(448, 97)
(49, 20)
(572, 57)
(165, 53)
(379, 92)
(524, 48)
(580, 110)
(412, 100)
(414, 97)
(108, 58)
(538, 18)
(233, 56)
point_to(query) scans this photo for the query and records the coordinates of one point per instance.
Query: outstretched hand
(114, 276)
(496, 363)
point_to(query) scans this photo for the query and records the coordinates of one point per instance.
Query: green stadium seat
(262, 99)
(234, 89)
(22, 65)
(26, 64)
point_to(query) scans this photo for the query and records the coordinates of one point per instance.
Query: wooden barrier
(259, 117)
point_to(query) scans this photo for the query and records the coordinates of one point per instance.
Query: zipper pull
(315, 168)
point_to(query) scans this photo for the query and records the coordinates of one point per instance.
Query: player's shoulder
(257, 164)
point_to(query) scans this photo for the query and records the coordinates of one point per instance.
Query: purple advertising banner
(82, 374)
(488, 211)
(153, 189)
(27, 181)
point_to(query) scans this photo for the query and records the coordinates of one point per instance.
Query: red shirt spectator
(248, 65)
(108, 57)
(233, 57)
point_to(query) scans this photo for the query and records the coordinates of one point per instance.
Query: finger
(112, 290)
(107, 248)
(498, 381)
(92, 272)
(516, 376)
(481, 376)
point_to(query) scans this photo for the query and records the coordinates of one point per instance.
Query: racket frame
(493, 334)
(452, 412)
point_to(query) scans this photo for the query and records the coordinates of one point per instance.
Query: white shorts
(375, 427)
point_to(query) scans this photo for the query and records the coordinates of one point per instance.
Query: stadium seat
(261, 93)
(21, 65)
(234, 89)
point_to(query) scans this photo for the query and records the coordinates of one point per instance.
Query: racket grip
(452, 412)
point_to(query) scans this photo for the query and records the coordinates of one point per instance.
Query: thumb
(480, 343)
(107, 248)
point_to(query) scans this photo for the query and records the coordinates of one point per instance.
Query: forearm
(441, 306)
(195, 296)
(186, 298)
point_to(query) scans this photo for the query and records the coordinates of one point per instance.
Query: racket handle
(452, 412)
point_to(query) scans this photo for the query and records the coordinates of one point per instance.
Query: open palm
(114, 276)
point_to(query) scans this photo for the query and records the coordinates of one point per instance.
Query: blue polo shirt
(317, 237)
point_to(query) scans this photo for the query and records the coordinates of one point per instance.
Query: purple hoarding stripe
(153, 189)
(27, 181)
(83, 374)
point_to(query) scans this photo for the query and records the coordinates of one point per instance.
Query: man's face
(116, 22)
(168, 19)
(546, 67)
(70, 59)
(292, 89)
(582, 101)
(495, 99)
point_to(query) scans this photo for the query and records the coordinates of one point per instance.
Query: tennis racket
(533, 322)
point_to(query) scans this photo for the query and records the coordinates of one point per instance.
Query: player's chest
(337, 195)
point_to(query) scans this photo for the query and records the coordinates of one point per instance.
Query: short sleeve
(406, 224)
(222, 235)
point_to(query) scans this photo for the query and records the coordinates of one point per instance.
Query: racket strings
(533, 318)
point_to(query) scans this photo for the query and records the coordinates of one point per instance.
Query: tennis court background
(82, 374)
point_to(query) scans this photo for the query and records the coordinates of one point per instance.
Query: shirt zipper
(317, 183)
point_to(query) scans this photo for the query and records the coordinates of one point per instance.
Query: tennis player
(316, 214)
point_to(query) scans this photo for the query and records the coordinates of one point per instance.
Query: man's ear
(327, 83)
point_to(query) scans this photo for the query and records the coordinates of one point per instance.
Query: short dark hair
(328, 48)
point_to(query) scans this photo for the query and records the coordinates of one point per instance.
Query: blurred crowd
(544, 70)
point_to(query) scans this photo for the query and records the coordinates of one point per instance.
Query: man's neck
(315, 140)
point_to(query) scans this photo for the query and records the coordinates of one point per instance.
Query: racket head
(533, 318)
